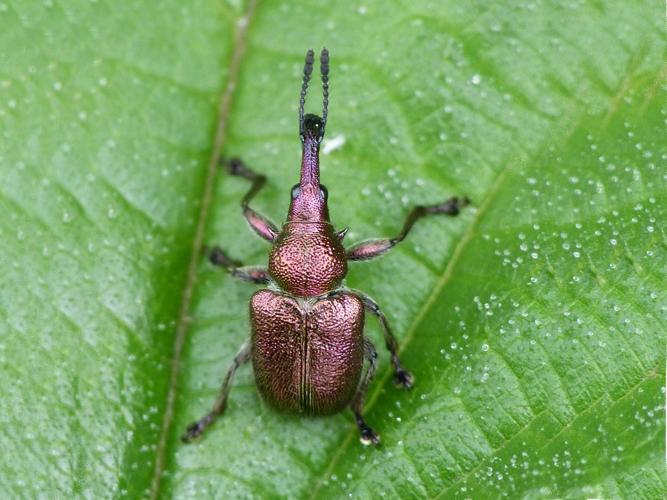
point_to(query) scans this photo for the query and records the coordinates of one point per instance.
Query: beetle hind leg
(402, 377)
(196, 429)
(367, 435)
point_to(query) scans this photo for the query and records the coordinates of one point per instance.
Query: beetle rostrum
(307, 343)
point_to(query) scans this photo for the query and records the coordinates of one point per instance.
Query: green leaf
(534, 322)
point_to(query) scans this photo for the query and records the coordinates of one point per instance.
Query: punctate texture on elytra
(307, 354)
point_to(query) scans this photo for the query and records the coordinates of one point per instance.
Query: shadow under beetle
(307, 345)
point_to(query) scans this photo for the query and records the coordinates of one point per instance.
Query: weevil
(307, 343)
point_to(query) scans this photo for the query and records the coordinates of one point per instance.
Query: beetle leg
(196, 429)
(367, 435)
(218, 257)
(260, 224)
(402, 377)
(369, 249)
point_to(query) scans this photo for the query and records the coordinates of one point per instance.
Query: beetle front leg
(260, 224)
(367, 435)
(370, 249)
(196, 429)
(218, 257)
(402, 377)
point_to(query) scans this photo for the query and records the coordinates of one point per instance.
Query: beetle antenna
(324, 70)
(307, 71)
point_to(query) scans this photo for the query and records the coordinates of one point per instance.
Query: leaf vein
(207, 195)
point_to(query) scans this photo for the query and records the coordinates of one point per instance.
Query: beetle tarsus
(403, 379)
(368, 436)
(452, 206)
(218, 257)
(196, 429)
(235, 166)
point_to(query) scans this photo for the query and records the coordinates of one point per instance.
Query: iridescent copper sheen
(307, 354)
(307, 345)
(308, 259)
(307, 348)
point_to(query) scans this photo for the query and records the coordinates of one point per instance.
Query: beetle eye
(296, 191)
(323, 192)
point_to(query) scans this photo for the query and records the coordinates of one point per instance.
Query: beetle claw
(234, 165)
(452, 206)
(195, 429)
(404, 379)
(192, 432)
(369, 436)
(218, 257)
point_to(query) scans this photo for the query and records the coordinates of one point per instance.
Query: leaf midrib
(224, 108)
(572, 123)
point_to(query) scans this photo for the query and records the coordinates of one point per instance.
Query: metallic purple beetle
(307, 346)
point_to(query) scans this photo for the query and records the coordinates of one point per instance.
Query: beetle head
(313, 128)
(309, 197)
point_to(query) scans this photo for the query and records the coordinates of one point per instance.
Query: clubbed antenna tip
(324, 70)
(307, 72)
